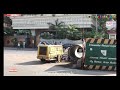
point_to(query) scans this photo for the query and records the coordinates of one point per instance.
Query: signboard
(111, 24)
(100, 54)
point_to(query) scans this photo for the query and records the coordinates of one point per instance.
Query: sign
(101, 53)
(104, 52)
(111, 24)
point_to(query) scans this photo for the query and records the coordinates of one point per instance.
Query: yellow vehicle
(50, 52)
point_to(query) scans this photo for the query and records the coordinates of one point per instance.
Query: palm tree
(72, 28)
(72, 32)
(58, 26)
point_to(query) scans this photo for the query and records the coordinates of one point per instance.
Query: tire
(43, 60)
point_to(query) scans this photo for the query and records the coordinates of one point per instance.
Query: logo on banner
(104, 52)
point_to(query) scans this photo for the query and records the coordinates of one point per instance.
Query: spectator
(33, 43)
(60, 43)
(55, 43)
(21, 44)
(18, 45)
(24, 44)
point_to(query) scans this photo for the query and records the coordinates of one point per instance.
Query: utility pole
(96, 23)
(83, 27)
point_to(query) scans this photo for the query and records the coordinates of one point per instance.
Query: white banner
(111, 24)
(33, 32)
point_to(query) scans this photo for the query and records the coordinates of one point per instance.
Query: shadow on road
(64, 69)
(33, 63)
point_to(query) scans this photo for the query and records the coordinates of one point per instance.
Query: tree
(102, 30)
(73, 33)
(59, 27)
(8, 26)
(7, 20)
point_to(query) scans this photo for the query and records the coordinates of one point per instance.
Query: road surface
(25, 63)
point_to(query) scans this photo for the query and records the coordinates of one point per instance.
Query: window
(43, 51)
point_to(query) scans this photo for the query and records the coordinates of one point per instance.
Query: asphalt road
(25, 63)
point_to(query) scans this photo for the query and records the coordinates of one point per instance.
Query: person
(18, 45)
(24, 44)
(21, 44)
(60, 43)
(33, 43)
(55, 43)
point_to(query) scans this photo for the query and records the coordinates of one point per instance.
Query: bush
(76, 35)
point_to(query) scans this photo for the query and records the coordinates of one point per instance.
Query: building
(111, 29)
(39, 22)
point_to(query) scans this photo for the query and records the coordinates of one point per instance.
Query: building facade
(111, 29)
(39, 22)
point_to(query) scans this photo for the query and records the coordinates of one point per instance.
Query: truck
(50, 52)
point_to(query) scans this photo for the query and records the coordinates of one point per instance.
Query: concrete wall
(8, 43)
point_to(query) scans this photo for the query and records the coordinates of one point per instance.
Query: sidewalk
(26, 49)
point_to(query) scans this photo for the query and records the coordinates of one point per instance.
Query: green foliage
(8, 31)
(23, 32)
(95, 34)
(102, 30)
(73, 33)
(89, 35)
(63, 31)
(7, 20)
(46, 35)
(59, 28)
